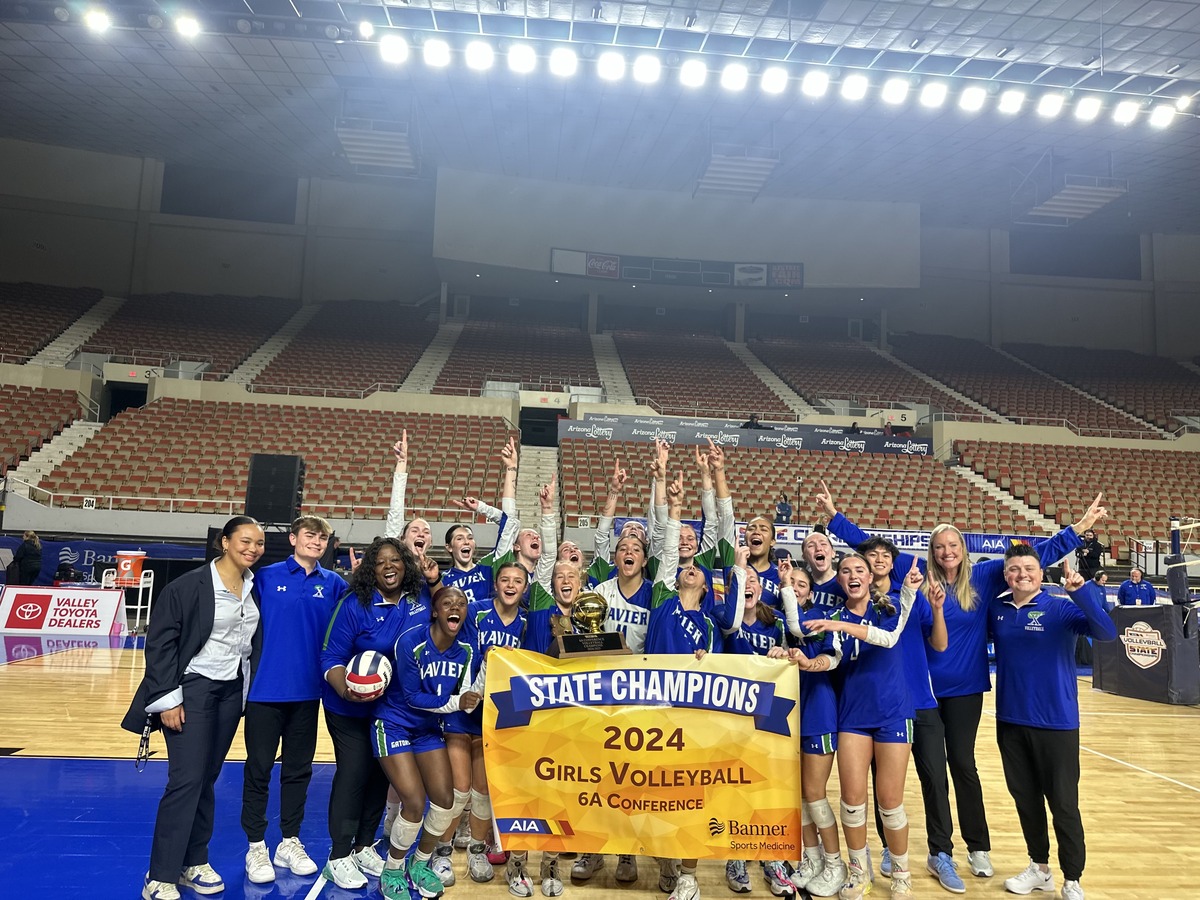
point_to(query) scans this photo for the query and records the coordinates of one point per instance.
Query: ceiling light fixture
(187, 26)
(1003, 52)
(854, 87)
(436, 53)
(1175, 68)
(814, 83)
(894, 90)
(480, 56)
(393, 49)
(972, 98)
(690, 20)
(1050, 105)
(693, 73)
(774, 80)
(914, 43)
(563, 62)
(522, 58)
(1126, 112)
(1087, 108)
(1162, 116)
(366, 30)
(734, 77)
(933, 94)
(647, 69)
(1011, 102)
(611, 66)
(97, 20)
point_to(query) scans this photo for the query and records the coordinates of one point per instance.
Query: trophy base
(606, 643)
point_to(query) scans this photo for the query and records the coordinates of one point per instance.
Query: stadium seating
(34, 314)
(1148, 387)
(157, 329)
(874, 489)
(350, 346)
(552, 355)
(819, 370)
(29, 417)
(1142, 487)
(192, 455)
(694, 375)
(1014, 391)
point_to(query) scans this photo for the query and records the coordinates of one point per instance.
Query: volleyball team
(891, 653)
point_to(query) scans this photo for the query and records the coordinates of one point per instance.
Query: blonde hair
(32, 536)
(964, 593)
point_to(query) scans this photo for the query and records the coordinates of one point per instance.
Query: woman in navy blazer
(201, 648)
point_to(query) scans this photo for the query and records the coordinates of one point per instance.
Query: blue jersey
(769, 579)
(353, 629)
(915, 652)
(818, 700)
(870, 681)
(828, 593)
(426, 680)
(756, 638)
(1036, 683)
(484, 627)
(295, 606)
(673, 629)
(477, 583)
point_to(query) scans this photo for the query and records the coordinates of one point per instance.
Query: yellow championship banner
(658, 755)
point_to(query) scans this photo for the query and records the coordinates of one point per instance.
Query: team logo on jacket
(1033, 622)
(1143, 645)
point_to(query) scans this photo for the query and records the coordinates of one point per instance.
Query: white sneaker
(626, 868)
(858, 882)
(519, 884)
(443, 868)
(462, 836)
(736, 877)
(668, 874)
(344, 873)
(368, 860)
(552, 885)
(808, 871)
(1032, 879)
(479, 867)
(902, 885)
(258, 864)
(159, 890)
(686, 888)
(290, 855)
(586, 866)
(1072, 890)
(202, 879)
(980, 862)
(830, 881)
(778, 882)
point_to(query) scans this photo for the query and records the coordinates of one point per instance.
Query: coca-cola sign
(602, 265)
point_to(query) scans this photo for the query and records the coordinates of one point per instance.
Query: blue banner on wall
(84, 555)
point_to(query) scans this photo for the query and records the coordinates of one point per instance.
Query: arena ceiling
(267, 100)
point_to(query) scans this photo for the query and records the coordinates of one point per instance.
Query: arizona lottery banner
(657, 755)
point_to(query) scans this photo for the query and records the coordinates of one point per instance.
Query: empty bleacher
(876, 490)
(349, 347)
(158, 329)
(193, 456)
(1012, 390)
(29, 417)
(694, 375)
(849, 370)
(1142, 487)
(553, 356)
(1149, 387)
(34, 314)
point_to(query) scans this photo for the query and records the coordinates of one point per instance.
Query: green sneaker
(393, 884)
(424, 879)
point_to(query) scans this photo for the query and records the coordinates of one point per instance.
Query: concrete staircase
(612, 373)
(51, 454)
(254, 364)
(930, 380)
(1134, 420)
(1022, 509)
(538, 465)
(779, 388)
(425, 371)
(59, 351)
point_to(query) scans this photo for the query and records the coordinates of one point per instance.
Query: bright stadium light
(1162, 116)
(393, 48)
(522, 58)
(814, 83)
(774, 80)
(563, 62)
(480, 56)
(894, 90)
(1087, 108)
(366, 30)
(1011, 102)
(693, 73)
(187, 26)
(1050, 105)
(436, 52)
(1126, 112)
(611, 66)
(97, 20)
(933, 94)
(972, 98)
(854, 87)
(647, 69)
(734, 77)
(1183, 103)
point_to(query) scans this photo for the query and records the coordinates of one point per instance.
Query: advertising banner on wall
(62, 610)
(84, 555)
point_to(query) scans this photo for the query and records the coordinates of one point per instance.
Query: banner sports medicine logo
(28, 612)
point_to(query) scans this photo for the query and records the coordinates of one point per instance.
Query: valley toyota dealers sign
(62, 610)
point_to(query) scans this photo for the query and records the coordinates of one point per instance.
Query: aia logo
(715, 827)
(28, 611)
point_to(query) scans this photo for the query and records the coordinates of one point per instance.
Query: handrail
(303, 390)
(14, 359)
(697, 410)
(1081, 430)
(91, 407)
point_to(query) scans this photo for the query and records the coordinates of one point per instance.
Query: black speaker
(275, 488)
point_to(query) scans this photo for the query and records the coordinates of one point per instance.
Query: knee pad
(481, 805)
(805, 816)
(438, 819)
(404, 833)
(854, 816)
(460, 802)
(893, 819)
(822, 813)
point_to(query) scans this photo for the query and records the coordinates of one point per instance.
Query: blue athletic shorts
(388, 739)
(466, 723)
(818, 744)
(897, 731)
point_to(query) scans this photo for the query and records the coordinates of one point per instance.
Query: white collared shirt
(235, 619)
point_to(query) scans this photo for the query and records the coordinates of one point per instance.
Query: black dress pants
(267, 724)
(358, 795)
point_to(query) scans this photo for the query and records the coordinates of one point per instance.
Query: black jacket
(29, 561)
(180, 625)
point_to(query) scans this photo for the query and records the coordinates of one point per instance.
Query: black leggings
(358, 796)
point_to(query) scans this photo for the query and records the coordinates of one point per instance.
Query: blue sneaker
(885, 863)
(202, 879)
(945, 870)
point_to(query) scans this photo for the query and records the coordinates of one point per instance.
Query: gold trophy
(581, 633)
